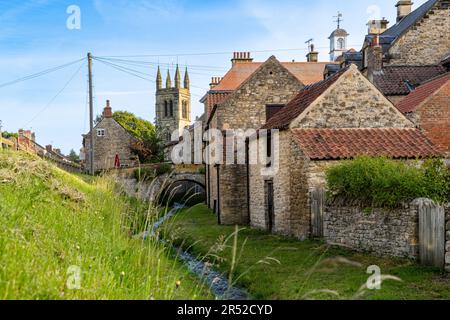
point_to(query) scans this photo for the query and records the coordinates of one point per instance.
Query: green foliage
(381, 182)
(8, 135)
(73, 156)
(51, 220)
(150, 148)
(281, 268)
(145, 174)
(163, 168)
(202, 170)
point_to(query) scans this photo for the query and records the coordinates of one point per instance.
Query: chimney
(241, 57)
(375, 58)
(49, 148)
(312, 56)
(377, 26)
(107, 112)
(214, 82)
(404, 8)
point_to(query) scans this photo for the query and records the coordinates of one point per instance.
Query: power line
(211, 53)
(39, 74)
(56, 96)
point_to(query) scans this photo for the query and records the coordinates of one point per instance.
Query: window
(341, 43)
(272, 109)
(101, 132)
(171, 108)
(184, 109)
(166, 109)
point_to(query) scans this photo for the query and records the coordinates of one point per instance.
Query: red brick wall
(434, 118)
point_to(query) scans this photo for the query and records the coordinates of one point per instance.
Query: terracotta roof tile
(334, 144)
(306, 96)
(415, 98)
(392, 79)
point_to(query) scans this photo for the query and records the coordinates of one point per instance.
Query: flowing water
(217, 281)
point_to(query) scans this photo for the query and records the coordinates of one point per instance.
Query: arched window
(166, 109)
(341, 43)
(171, 108)
(185, 110)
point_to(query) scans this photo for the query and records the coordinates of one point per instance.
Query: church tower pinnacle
(177, 78)
(187, 82)
(168, 80)
(158, 80)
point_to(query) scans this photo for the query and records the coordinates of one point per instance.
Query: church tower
(173, 105)
(338, 40)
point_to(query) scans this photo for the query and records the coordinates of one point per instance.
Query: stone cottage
(428, 106)
(338, 118)
(112, 144)
(249, 94)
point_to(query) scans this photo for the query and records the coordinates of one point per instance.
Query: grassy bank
(273, 267)
(60, 232)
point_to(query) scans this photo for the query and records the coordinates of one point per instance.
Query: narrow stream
(217, 282)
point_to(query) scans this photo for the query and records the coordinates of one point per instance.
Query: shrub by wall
(382, 182)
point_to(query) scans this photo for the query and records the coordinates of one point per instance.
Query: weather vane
(339, 19)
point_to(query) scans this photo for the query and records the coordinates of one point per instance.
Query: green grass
(51, 220)
(274, 267)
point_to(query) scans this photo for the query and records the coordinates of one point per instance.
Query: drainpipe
(247, 161)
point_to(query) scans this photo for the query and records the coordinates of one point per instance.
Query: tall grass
(51, 221)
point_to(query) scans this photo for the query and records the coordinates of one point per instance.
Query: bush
(163, 169)
(144, 174)
(381, 182)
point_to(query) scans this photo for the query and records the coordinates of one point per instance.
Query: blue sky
(34, 37)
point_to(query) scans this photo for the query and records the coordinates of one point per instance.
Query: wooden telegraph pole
(91, 115)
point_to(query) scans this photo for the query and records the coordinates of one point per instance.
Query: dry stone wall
(381, 232)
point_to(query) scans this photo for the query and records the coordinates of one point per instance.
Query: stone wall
(426, 42)
(291, 193)
(352, 102)
(447, 235)
(381, 232)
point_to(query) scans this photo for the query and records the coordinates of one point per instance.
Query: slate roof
(407, 22)
(392, 80)
(335, 144)
(411, 102)
(296, 106)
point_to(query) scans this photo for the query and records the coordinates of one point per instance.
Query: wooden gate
(431, 233)
(317, 203)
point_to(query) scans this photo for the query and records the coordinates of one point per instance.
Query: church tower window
(341, 44)
(166, 109)
(185, 110)
(171, 108)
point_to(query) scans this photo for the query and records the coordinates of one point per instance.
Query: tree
(149, 148)
(73, 156)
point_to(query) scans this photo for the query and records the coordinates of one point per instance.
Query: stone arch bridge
(181, 180)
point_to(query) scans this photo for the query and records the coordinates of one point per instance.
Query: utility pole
(91, 115)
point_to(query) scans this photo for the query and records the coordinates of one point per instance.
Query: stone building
(413, 50)
(173, 105)
(249, 94)
(112, 144)
(338, 118)
(428, 106)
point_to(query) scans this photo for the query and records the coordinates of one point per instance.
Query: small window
(171, 108)
(272, 109)
(341, 44)
(101, 132)
(166, 109)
